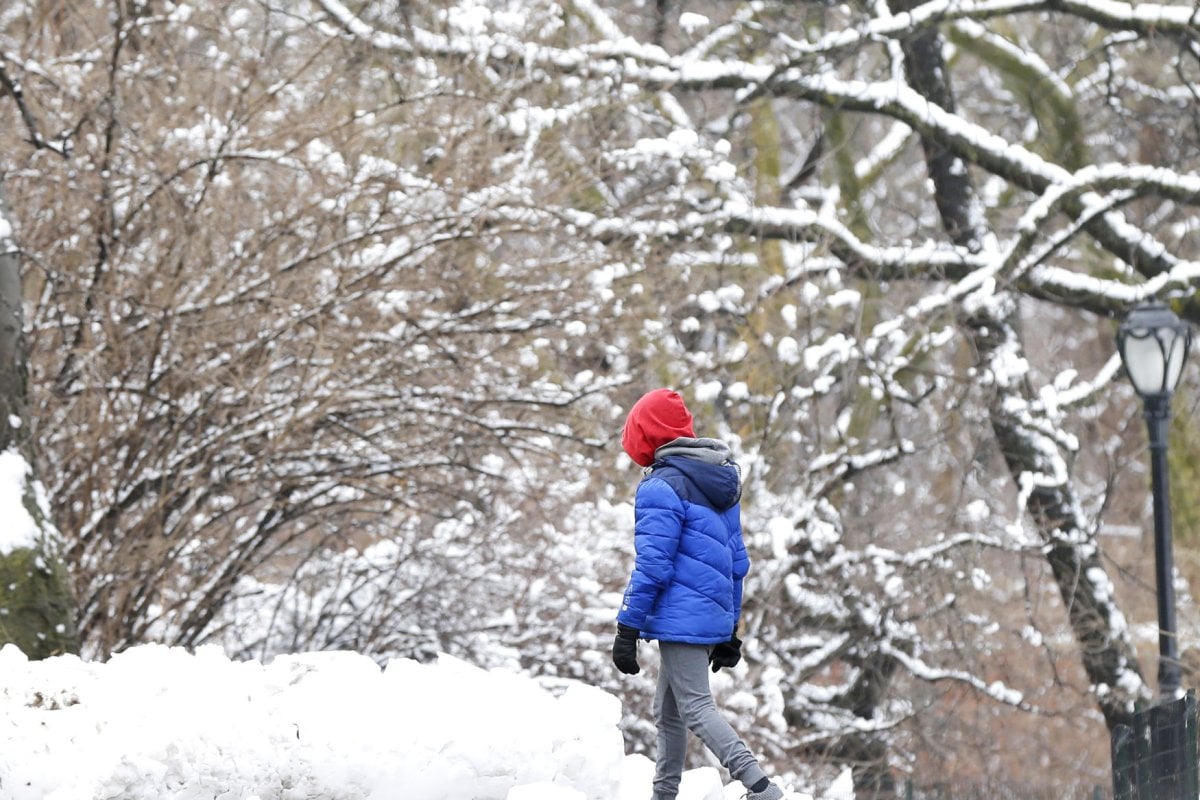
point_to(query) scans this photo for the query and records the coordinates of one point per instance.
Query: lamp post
(1154, 344)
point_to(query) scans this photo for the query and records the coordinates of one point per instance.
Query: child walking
(686, 586)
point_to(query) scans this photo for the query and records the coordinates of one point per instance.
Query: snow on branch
(8, 244)
(1143, 18)
(648, 66)
(1140, 17)
(891, 26)
(599, 20)
(996, 690)
(1140, 179)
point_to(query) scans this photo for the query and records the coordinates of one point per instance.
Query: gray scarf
(712, 451)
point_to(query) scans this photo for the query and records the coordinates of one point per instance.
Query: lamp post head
(1153, 344)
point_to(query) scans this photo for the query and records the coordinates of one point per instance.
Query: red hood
(658, 417)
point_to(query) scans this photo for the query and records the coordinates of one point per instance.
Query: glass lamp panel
(1178, 344)
(1144, 361)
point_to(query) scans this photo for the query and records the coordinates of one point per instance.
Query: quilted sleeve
(658, 526)
(741, 560)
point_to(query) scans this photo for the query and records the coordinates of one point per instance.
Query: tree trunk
(36, 608)
(1074, 558)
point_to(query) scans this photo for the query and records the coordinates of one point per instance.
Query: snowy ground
(158, 723)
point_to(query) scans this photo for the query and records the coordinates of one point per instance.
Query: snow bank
(159, 723)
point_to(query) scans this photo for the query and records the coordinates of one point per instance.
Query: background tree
(273, 332)
(36, 609)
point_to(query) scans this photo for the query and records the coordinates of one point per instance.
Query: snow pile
(159, 723)
(19, 529)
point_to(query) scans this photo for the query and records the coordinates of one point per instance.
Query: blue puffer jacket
(687, 580)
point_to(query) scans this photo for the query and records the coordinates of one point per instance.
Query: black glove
(726, 654)
(625, 650)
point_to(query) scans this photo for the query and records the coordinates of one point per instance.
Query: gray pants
(684, 703)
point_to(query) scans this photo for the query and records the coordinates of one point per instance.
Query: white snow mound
(161, 723)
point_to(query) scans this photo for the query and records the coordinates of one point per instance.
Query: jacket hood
(707, 465)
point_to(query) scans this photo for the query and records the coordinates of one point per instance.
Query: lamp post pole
(1154, 345)
(1158, 414)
